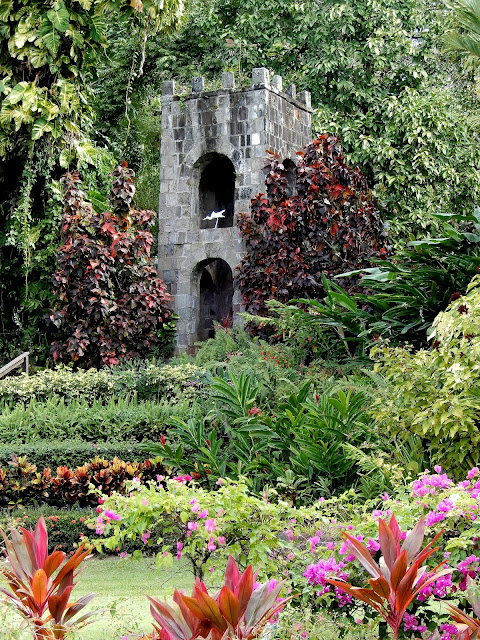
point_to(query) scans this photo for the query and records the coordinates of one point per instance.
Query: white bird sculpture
(215, 215)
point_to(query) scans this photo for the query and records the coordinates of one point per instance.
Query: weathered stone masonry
(212, 156)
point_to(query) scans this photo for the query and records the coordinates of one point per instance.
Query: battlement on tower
(260, 80)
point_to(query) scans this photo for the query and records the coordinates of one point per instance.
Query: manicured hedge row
(147, 379)
(67, 526)
(70, 453)
(116, 419)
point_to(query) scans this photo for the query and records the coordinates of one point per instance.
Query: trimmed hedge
(146, 379)
(117, 419)
(67, 526)
(70, 453)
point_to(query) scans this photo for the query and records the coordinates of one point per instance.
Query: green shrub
(69, 453)
(435, 393)
(65, 527)
(231, 519)
(275, 367)
(115, 419)
(148, 379)
(294, 442)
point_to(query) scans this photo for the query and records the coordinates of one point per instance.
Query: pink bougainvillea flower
(179, 550)
(111, 515)
(210, 525)
(372, 545)
(211, 544)
(313, 542)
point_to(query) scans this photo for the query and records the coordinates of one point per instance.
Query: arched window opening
(291, 175)
(217, 192)
(216, 296)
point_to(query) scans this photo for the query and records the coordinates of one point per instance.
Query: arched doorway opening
(291, 176)
(216, 190)
(215, 281)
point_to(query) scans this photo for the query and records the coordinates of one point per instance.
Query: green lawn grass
(121, 586)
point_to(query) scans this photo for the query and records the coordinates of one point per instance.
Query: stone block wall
(235, 128)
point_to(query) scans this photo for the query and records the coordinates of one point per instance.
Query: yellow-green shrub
(436, 393)
(146, 379)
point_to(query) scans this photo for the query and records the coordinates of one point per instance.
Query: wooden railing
(19, 361)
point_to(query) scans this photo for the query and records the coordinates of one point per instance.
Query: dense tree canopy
(378, 76)
(48, 49)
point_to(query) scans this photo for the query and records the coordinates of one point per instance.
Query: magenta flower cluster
(429, 484)
(316, 575)
(468, 568)
(440, 588)
(448, 631)
(410, 623)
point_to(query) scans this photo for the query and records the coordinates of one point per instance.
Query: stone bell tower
(213, 152)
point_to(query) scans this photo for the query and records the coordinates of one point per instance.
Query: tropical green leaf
(98, 27)
(17, 93)
(5, 9)
(50, 37)
(59, 17)
(40, 127)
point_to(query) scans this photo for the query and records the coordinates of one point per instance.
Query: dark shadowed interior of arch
(217, 191)
(291, 175)
(216, 295)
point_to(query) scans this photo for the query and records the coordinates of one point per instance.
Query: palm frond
(467, 14)
(463, 43)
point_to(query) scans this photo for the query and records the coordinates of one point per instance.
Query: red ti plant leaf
(39, 597)
(388, 544)
(192, 604)
(398, 569)
(229, 606)
(210, 610)
(171, 621)
(392, 593)
(232, 575)
(237, 611)
(245, 589)
(39, 587)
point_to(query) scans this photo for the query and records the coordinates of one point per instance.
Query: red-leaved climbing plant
(330, 225)
(111, 304)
